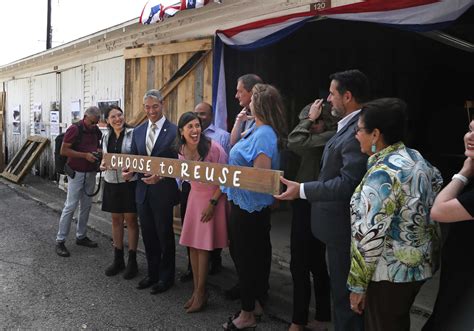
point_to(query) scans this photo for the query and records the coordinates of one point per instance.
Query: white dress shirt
(159, 125)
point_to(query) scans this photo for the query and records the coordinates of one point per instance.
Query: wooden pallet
(25, 158)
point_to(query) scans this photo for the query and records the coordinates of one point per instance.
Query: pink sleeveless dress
(213, 234)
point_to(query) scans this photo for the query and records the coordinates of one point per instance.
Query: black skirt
(119, 198)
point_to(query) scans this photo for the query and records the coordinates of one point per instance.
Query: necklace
(191, 156)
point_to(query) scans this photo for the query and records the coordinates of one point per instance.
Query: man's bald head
(204, 111)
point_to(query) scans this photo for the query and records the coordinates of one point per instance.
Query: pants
(308, 257)
(388, 305)
(339, 266)
(249, 235)
(76, 195)
(215, 255)
(156, 222)
(454, 305)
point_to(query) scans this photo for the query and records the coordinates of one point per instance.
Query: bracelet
(213, 202)
(462, 178)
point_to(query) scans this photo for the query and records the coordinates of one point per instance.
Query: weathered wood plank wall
(152, 66)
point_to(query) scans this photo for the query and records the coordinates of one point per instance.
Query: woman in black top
(454, 308)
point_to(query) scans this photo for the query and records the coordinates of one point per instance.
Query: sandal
(258, 318)
(231, 326)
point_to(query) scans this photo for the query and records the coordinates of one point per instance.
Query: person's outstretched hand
(292, 190)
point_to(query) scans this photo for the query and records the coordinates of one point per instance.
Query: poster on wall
(103, 106)
(75, 111)
(37, 118)
(17, 119)
(54, 109)
(54, 123)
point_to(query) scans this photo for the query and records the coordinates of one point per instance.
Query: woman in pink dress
(205, 226)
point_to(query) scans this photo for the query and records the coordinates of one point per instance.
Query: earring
(373, 148)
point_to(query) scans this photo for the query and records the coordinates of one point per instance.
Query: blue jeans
(75, 196)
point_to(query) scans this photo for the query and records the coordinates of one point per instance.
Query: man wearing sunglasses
(80, 142)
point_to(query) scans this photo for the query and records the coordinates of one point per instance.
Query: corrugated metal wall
(71, 92)
(107, 80)
(104, 80)
(87, 84)
(43, 92)
(18, 98)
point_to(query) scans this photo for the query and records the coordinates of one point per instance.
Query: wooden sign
(248, 178)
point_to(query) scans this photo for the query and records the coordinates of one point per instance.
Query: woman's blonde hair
(268, 107)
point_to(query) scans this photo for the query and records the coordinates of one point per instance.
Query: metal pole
(49, 31)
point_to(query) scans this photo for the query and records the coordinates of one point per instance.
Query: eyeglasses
(357, 129)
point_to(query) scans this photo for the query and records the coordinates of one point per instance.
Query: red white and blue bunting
(155, 11)
(416, 15)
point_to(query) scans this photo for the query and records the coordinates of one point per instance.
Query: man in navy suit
(342, 168)
(155, 196)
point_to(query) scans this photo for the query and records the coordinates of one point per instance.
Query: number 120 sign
(320, 5)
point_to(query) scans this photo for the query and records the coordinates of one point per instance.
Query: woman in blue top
(249, 226)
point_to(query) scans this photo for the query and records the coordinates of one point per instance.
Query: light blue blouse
(258, 140)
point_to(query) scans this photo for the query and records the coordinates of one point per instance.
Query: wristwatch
(213, 202)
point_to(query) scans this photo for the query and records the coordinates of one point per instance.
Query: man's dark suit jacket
(342, 167)
(155, 206)
(163, 148)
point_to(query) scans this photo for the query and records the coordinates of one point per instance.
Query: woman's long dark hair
(204, 144)
(107, 113)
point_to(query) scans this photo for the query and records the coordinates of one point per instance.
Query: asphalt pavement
(39, 289)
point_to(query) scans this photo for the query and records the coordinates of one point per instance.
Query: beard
(337, 112)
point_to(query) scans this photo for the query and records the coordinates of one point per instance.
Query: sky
(23, 22)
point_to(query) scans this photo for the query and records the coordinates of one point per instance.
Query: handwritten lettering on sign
(252, 179)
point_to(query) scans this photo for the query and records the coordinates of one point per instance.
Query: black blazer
(342, 167)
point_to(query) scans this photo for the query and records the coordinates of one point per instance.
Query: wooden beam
(166, 49)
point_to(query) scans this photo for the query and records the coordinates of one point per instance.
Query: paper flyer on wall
(54, 123)
(16, 119)
(36, 113)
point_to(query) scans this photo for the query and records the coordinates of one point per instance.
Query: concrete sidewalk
(279, 304)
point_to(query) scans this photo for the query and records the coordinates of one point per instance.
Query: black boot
(118, 264)
(132, 268)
